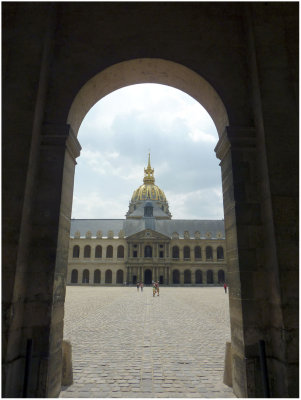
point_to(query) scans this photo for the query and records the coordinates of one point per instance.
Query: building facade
(148, 245)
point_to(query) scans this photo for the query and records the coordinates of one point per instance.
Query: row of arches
(198, 252)
(200, 276)
(98, 251)
(148, 252)
(96, 276)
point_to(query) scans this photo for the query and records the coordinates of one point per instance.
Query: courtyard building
(147, 246)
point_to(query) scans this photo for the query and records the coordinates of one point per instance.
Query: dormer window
(148, 210)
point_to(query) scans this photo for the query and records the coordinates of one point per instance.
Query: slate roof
(131, 226)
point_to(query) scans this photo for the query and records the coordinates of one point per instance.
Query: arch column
(193, 276)
(49, 245)
(237, 151)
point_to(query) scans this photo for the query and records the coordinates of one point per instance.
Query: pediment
(147, 234)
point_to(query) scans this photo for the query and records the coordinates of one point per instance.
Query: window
(221, 276)
(186, 252)
(135, 254)
(74, 276)
(87, 251)
(161, 254)
(175, 252)
(108, 277)
(197, 252)
(97, 276)
(220, 253)
(98, 252)
(209, 253)
(176, 276)
(110, 252)
(148, 251)
(76, 251)
(119, 276)
(148, 210)
(85, 276)
(120, 252)
(209, 276)
(187, 276)
(198, 276)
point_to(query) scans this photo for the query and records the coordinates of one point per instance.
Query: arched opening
(220, 253)
(209, 253)
(120, 252)
(197, 253)
(148, 276)
(186, 253)
(148, 251)
(109, 253)
(74, 276)
(85, 276)
(187, 276)
(97, 276)
(176, 276)
(87, 251)
(119, 276)
(76, 251)
(108, 276)
(198, 276)
(209, 276)
(98, 251)
(175, 252)
(221, 276)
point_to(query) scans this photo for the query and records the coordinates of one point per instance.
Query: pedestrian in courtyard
(225, 287)
(157, 287)
(154, 289)
(137, 286)
(141, 286)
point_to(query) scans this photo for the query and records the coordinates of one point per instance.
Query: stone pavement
(129, 344)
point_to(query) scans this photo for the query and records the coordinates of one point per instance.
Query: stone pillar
(49, 245)
(127, 274)
(214, 255)
(181, 252)
(193, 276)
(181, 275)
(114, 273)
(237, 151)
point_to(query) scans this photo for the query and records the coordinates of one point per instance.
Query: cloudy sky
(118, 133)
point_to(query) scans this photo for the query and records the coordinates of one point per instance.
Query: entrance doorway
(148, 277)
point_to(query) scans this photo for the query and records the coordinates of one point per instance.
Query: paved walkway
(129, 344)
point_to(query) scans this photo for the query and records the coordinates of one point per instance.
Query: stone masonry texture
(127, 343)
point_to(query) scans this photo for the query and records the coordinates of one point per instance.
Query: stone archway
(248, 63)
(148, 70)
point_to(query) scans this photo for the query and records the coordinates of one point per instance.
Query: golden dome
(148, 191)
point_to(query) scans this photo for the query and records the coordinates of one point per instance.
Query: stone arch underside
(147, 70)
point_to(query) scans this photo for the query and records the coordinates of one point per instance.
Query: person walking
(157, 287)
(225, 287)
(154, 289)
(141, 286)
(137, 286)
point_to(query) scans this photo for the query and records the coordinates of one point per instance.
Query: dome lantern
(149, 173)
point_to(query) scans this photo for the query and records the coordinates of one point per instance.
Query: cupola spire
(149, 173)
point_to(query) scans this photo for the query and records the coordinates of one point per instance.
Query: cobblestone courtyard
(129, 344)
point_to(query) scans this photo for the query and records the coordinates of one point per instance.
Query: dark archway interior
(148, 277)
